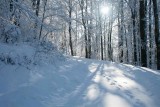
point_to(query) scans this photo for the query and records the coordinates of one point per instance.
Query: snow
(74, 82)
(12, 33)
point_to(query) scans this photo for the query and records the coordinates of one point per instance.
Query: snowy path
(80, 82)
(102, 84)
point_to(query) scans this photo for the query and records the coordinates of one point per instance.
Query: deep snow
(76, 82)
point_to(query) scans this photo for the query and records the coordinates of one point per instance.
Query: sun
(104, 10)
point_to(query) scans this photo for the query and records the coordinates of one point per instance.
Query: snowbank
(25, 53)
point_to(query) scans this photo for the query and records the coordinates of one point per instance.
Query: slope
(77, 82)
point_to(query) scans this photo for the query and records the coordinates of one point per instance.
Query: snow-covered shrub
(48, 46)
(11, 34)
(48, 52)
(16, 54)
(29, 53)
(7, 59)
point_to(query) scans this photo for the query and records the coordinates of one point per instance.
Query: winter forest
(79, 53)
(125, 31)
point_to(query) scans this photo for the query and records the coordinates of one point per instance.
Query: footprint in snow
(108, 78)
(138, 102)
(129, 94)
(120, 86)
(112, 83)
(125, 82)
(115, 81)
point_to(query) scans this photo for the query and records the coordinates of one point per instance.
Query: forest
(123, 31)
(79, 53)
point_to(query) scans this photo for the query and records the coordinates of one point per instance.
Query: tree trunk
(70, 27)
(101, 46)
(133, 17)
(44, 10)
(15, 12)
(121, 34)
(142, 12)
(157, 39)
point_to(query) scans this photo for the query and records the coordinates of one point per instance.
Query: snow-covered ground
(73, 82)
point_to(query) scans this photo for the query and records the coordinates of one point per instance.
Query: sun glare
(104, 10)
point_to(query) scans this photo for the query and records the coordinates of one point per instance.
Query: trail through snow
(79, 82)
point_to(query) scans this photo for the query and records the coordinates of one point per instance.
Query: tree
(36, 9)
(44, 10)
(120, 30)
(129, 33)
(142, 15)
(157, 38)
(70, 26)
